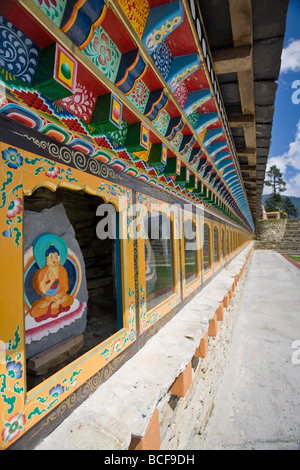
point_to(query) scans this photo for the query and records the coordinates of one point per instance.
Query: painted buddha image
(51, 283)
(55, 292)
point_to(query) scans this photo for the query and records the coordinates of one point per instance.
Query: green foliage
(273, 203)
(289, 208)
(275, 180)
(276, 203)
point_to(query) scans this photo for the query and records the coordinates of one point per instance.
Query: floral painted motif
(104, 54)
(14, 208)
(177, 140)
(13, 427)
(12, 157)
(137, 12)
(117, 137)
(181, 93)
(162, 122)
(14, 369)
(139, 96)
(54, 9)
(18, 53)
(81, 103)
(193, 117)
(52, 172)
(56, 391)
(162, 58)
(13, 166)
(102, 46)
(17, 415)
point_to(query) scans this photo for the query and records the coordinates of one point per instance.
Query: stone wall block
(201, 351)
(213, 326)
(182, 382)
(220, 312)
(151, 438)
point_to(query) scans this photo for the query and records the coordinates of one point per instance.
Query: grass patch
(295, 258)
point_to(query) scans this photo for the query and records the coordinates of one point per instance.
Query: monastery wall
(282, 235)
(165, 393)
(177, 431)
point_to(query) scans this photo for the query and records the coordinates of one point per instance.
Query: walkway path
(258, 402)
(124, 404)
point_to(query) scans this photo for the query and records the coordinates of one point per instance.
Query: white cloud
(279, 161)
(290, 58)
(288, 162)
(293, 186)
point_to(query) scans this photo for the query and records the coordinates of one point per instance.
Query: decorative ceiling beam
(248, 168)
(245, 121)
(250, 180)
(242, 152)
(233, 59)
(242, 33)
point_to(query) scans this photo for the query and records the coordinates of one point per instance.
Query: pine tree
(273, 203)
(289, 208)
(276, 202)
(274, 179)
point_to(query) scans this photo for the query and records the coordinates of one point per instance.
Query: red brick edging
(295, 263)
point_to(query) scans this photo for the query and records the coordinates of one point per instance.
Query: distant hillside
(294, 200)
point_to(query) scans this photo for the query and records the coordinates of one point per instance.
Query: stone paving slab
(257, 405)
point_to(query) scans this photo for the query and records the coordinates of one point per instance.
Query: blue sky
(285, 146)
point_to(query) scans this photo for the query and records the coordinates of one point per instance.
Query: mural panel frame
(21, 173)
(148, 318)
(189, 287)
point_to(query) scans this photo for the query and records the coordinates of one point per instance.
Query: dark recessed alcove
(99, 259)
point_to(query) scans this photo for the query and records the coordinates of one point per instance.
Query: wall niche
(99, 271)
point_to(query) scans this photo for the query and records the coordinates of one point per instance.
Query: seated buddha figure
(51, 282)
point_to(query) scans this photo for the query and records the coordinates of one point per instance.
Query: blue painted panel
(187, 142)
(175, 125)
(196, 99)
(161, 21)
(156, 101)
(220, 156)
(211, 135)
(182, 67)
(18, 53)
(205, 120)
(162, 58)
(132, 67)
(224, 163)
(216, 147)
(77, 22)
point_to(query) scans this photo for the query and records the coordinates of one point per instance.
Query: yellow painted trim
(150, 317)
(189, 287)
(23, 180)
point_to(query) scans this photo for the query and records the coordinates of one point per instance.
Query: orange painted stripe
(93, 27)
(154, 104)
(73, 16)
(136, 80)
(128, 70)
